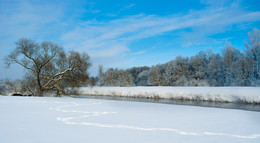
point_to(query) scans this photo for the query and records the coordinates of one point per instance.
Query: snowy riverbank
(212, 94)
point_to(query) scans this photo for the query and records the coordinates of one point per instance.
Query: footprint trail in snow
(88, 114)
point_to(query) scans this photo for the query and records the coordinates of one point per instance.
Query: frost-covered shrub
(3, 88)
(15, 87)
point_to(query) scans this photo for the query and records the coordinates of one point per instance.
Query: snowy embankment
(211, 94)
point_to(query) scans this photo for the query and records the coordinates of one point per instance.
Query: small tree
(49, 67)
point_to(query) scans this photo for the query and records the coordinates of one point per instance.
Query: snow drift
(211, 94)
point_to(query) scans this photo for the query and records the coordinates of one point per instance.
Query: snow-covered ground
(219, 94)
(81, 120)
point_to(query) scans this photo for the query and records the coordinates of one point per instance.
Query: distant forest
(229, 68)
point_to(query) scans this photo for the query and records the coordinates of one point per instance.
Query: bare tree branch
(15, 60)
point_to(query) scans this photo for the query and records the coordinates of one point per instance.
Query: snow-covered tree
(110, 78)
(178, 69)
(100, 76)
(243, 69)
(163, 81)
(197, 82)
(142, 78)
(135, 71)
(153, 77)
(230, 57)
(118, 78)
(198, 65)
(253, 51)
(162, 70)
(124, 78)
(215, 70)
(170, 73)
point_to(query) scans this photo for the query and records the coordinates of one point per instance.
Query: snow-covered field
(81, 120)
(219, 94)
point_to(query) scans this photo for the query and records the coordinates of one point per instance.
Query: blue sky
(123, 34)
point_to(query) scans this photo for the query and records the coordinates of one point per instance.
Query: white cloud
(115, 50)
(99, 35)
(130, 5)
(221, 3)
(139, 53)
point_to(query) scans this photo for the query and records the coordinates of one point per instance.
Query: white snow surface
(219, 94)
(81, 120)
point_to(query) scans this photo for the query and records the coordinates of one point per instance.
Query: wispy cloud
(143, 26)
(130, 5)
(111, 38)
(221, 3)
(139, 53)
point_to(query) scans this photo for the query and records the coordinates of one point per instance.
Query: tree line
(51, 70)
(229, 68)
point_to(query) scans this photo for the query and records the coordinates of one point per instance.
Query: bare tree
(49, 67)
